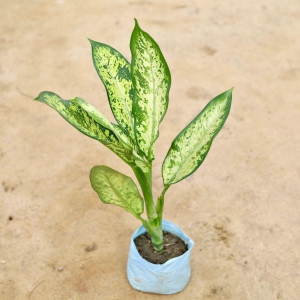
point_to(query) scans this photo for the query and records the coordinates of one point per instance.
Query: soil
(173, 247)
(58, 241)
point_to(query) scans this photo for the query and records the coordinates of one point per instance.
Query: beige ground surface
(242, 207)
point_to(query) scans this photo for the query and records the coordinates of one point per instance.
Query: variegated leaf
(126, 140)
(116, 188)
(87, 120)
(151, 80)
(93, 112)
(142, 164)
(114, 71)
(122, 137)
(191, 146)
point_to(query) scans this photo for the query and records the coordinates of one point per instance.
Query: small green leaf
(191, 146)
(87, 120)
(114, 71)
(151, 80)
(116, 188)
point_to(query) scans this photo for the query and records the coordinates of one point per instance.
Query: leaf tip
(137, 25)
(39, 97)
(92, 42)
(229, 93)
(93, 169)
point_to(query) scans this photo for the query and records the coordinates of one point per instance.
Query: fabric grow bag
(168, 278)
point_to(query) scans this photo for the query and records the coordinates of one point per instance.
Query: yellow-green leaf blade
(116, 188)
(151, 80)
(191, 146)
(87, 120)
(93, 112)
(97, 116)
(114, 71)
(125, 140)
(76, 115)
(124, 149)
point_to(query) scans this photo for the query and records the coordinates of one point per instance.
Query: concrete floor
(242, 207)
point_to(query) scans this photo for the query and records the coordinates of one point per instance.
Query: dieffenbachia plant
(138, 94)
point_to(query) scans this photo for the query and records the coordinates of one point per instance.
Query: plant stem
(156, 235)
(145, 184)
(154, 224)
(160, 203)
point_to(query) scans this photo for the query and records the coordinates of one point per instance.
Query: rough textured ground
(242, 207)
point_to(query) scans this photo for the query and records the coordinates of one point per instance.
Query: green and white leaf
(142, 164)
(126, 140)
(151, 80)
(191, 146)
(87, 120)
(114, 71)
(116, 188)
(122, 137)
(93, 112)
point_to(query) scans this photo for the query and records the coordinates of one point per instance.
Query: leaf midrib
(153, 98)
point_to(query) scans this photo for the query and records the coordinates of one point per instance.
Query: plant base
(168, 278)
(173, 247)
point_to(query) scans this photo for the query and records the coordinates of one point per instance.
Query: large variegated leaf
(87, 120)
(93, 112)
(114, 71)
(191, 146)
(142, 164)
(97, 116)
(126, 140)
(151, 79)
(116, 188)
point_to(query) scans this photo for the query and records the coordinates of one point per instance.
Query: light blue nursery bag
(168, 278)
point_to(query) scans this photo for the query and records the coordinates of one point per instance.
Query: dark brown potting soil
(173, 247)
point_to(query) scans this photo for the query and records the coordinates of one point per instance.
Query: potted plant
(138, 94)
